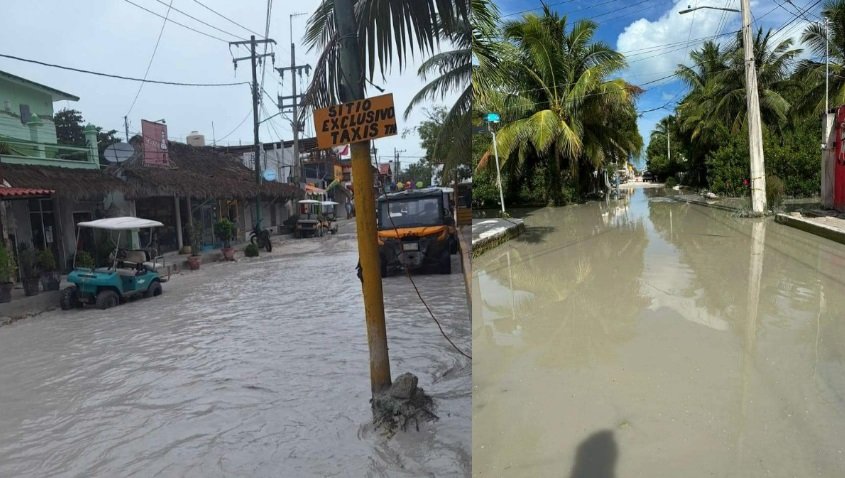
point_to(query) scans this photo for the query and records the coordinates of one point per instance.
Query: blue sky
(643, 29)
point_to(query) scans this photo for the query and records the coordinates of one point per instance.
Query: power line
(119, 77)
(174, 21)
(227, 18)
(150, 63)
(236, 127)
(266, 32)
(198, 20)
(535, 8)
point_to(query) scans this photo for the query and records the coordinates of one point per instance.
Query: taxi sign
(360, 120)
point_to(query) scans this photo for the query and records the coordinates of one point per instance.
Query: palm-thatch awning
(67, 183)
(200, 172)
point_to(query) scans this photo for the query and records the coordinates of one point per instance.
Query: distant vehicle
(308, 226)
(648, 176)
(132, 273)
(416, 231)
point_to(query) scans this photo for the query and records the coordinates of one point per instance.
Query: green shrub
(83, 259)
(105, 247)
(8, 268)
(671, 182)
(775, 191)
(251, 250)
(28, 262)
(224, 230)
(46, 260)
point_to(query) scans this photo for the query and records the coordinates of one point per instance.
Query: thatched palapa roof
(199, 172)
(68, 183)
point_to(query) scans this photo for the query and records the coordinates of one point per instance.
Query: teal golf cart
(131, 272)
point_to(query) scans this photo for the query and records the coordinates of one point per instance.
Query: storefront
(201, 186)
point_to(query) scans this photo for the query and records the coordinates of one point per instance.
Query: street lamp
(752, 98)
(493, 118)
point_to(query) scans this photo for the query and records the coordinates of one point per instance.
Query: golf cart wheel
(253, 240)
(107, 299)
(154, 290)
(69, 298)
(297, 234)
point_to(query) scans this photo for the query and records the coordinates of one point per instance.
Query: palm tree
(717, 82)
(388, 31)
(716, 106)
(452, 71)
(811, 73)
(709, 64)
(558, 100)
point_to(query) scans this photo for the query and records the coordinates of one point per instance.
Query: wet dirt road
(644, 337)
(261, 372)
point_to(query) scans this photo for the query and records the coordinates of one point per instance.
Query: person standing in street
(348, 208)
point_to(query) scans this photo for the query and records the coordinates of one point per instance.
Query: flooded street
(245, 369)
(645, 337)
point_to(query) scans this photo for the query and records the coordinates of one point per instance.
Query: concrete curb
(482, 245)
(465, 247)
(813, 227)
(29, 306)
(699, 202)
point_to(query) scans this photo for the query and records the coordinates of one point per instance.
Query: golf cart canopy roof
(121, 223)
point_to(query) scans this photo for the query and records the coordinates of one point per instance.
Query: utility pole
(396, 153)
(351, 89)
(668, 148)
(126, 127)
(253, 57)
(755, 134)
(295, 99)
(498, 171)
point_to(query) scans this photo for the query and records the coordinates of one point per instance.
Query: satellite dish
(269, 175)
(119, 152)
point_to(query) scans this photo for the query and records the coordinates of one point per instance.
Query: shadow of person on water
(596, 456)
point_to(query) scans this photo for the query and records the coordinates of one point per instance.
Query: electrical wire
(417, 290)
(226, 18)
(266, 32)
(120, 77)
(248, 113)
(200, 21)
(174, 21)
(150, 63)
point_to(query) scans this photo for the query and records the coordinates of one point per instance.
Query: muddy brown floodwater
(261, 372)
(644, 337)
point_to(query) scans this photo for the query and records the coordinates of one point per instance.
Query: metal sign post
(493, 118)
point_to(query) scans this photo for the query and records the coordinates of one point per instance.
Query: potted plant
(7, 274)
(224, 229)
(30, 272)
(194, 260)
(50, 278)
(84, 260)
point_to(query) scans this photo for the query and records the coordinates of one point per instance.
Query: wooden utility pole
(253, 57)
(755, 133)
(352, 88)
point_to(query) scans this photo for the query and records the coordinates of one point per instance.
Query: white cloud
(655, 48)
